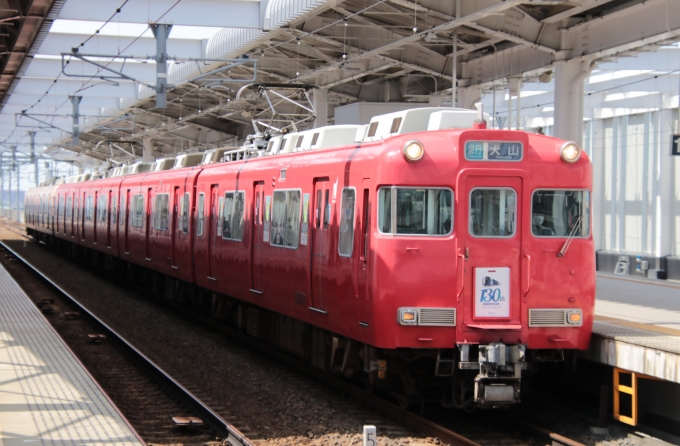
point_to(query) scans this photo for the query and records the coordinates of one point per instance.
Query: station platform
(46, 395)
(637, 326)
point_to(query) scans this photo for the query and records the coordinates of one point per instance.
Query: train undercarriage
(466, 376)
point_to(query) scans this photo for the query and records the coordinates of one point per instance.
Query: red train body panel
(331, 262)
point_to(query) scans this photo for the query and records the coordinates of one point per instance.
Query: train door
(257, 237)
(320, 243)
(362, 265)
(490, 253)
(213, 235)
(95, 217)
(147, 225)
(175, 227)
(107, 215)
(128, 205)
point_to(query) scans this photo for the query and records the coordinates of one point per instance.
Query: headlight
(574, 317)
(413, 151)
(570, 152)
(408, 316)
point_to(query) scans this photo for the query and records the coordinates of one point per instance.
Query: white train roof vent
(140, 168)
(457, 118)
(213, 156)
(188, 160)
(324, 137)
(398, 123)
(163, 164)
(418, 120)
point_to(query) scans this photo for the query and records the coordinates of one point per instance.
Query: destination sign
(493, 151)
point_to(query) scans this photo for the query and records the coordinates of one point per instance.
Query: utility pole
(75, 100)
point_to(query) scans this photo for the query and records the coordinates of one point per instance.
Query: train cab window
(493, 212)
(114, 209)
(232, 216)
(346, 227)
(285, 227)
(137, 211)
(185, 214)
(89, 208)
(419, 211)
(200, 211)
(560, 213)
(160, 212)
(101, 208)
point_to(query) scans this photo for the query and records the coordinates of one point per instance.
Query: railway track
(162, 410)
(450, 427)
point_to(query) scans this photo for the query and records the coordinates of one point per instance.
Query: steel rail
(225, 429)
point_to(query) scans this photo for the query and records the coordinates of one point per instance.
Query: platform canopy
(294, 61)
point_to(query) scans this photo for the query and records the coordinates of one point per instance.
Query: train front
(491, 258)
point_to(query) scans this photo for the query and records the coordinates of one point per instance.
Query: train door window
(101, 208)
(121, 217)
(89, 208)
(327, 211)
(160, 212)
(199, 220)
(365, 224)
(346, 226)
(114, 209)
(318, 209)
(137, 214)
(220, 211)
(493, 212)
(184, 217)
(560, 213)
(232, 216)
(69, 209)
(415, 211)
(285, 228)
(61, 206)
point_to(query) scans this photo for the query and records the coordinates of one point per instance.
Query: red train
(424, 253)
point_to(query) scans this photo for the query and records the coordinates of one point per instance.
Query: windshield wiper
(570, 237)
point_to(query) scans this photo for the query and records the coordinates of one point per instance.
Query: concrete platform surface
(46, 396)
(637, 326)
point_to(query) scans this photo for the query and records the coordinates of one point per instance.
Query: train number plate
(492, 292)
(493, 151)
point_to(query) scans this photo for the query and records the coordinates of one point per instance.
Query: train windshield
(493, 212)
(419, 211)
(560, 213)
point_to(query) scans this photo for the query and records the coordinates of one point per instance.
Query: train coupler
(500, 374)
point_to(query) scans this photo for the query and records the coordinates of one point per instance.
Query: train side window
(346, 226)
(89, 208)
(101, 208)
(560, 213)
(232, 216)
(121, 218)
(61, 206)
(137, 214)
(493, 212)
(200, 212)
(114, 209)
(415, 211)
(69, 209)
(285, 227)
(185, 214)
(160, 212)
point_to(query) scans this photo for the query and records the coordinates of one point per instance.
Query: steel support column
(569, 89)
(75, 100)
(147, 153)
(320, 103)
(34, 159)
(161, 33)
